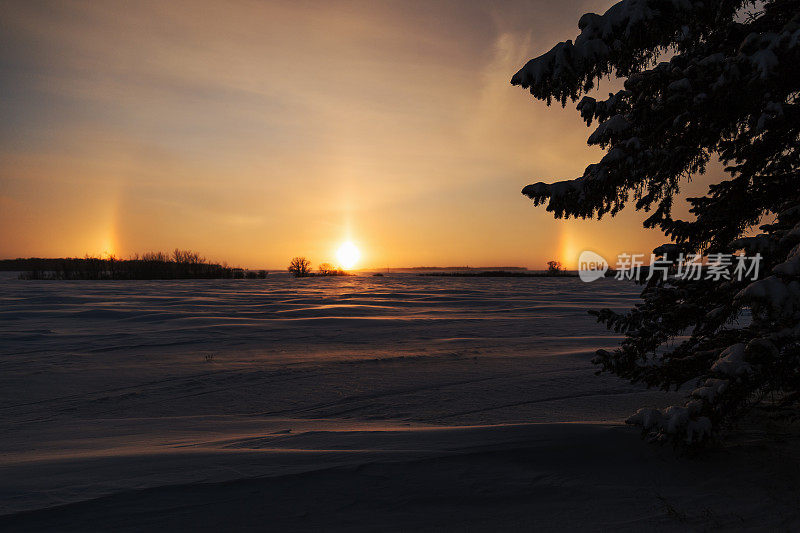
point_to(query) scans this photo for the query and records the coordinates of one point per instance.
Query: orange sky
(257, 131)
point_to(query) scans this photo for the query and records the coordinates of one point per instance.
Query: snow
(611, 127)
(670, 250)
(675, 419)
(712, 59)
(600, 34)
(699, 429)
(682, 419)
(633, 143)
(711, 388)
(543, 477)
(763, 58)
(790, 267)
(772, 111)
(646, 417)
(794, 233)
(397, 402)
(559, 188)
(731, 361)
(794, 38)
(680, 85)
(774, 294)
(757, 244)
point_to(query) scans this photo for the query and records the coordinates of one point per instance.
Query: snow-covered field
(367, 403)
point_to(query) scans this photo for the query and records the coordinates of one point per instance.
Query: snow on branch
(731, 92)
(670, 118)
(624, 38)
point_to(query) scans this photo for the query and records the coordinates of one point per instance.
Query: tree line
(300, 267)
(180, 264)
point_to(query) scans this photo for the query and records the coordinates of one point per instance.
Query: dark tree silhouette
(730, 91)
(300, 267)
(554, 267)
(181, 264)
(187, 257)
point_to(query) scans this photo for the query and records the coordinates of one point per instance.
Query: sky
(253, 132)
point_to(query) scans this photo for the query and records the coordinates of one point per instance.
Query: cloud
(392, 121)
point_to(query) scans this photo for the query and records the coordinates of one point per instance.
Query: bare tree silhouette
(326, 268)
(300, 267)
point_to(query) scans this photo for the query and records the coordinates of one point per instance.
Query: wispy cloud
(393, 121)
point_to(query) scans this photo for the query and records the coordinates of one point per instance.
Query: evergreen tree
(729, 91)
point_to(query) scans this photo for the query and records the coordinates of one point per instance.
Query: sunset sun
(347, 255)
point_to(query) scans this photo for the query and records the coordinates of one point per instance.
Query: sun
(348, 255)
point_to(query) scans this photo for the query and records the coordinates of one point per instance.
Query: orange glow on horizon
(226, 146)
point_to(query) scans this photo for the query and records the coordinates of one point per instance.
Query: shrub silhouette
(327, 269)
(300, 267)
(554, 267)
